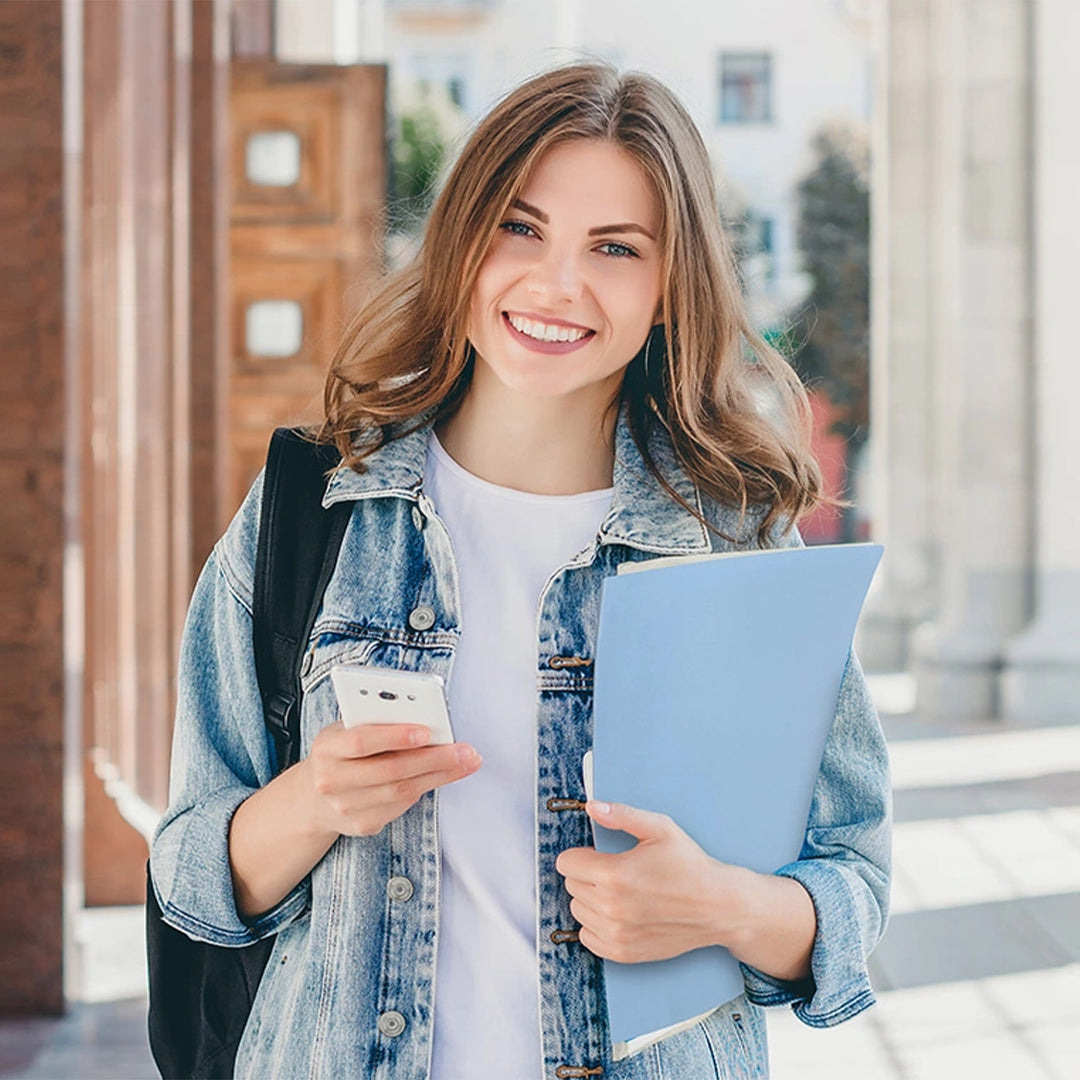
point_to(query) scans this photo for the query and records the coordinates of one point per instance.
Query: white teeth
(543, 332)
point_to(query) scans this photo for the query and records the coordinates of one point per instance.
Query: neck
(546, 446)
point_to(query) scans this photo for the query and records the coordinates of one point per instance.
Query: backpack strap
(297, 551)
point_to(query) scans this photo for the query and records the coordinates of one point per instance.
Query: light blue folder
(716, 683)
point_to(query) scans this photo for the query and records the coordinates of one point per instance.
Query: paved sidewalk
(978, 975)
(95, 1041)
(979, 972)
(103, 1036)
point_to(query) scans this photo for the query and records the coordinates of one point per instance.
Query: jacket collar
(642, 514)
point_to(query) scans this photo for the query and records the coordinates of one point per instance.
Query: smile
(546, 331)
(543, 337)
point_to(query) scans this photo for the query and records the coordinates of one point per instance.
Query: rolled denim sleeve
(221, 751)
(844, 865)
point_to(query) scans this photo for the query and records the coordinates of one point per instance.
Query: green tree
(417, 155)
(833, 324)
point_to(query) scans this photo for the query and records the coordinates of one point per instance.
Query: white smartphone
(374, 695)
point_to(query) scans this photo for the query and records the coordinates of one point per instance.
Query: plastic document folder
(716, 684)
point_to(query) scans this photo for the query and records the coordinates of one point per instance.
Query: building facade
(974, 369)
(758, 79)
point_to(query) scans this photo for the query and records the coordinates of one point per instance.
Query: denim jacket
(349, 988)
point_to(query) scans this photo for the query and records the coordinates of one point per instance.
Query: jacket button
(417, 517)
(422, 617)
(305, 667)
(391, 1023)
(399, 888)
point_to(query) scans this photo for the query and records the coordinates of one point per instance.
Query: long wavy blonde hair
(737, 415)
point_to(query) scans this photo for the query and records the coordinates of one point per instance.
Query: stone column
(1041, 679)
(982, 404)
(32, 490)
(902, 356)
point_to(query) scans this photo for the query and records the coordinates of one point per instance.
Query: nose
(556, 278)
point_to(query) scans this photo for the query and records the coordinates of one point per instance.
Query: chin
(547, 377)
(540, 386)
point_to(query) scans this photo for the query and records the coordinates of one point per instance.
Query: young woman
(564, 379)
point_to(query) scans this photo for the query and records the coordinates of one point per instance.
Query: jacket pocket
(327, 652)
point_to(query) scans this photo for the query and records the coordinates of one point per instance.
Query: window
(272, 158)
(449, 73)
(754, 236)
(761, 232)
(274, 328)
(745, 88)
(760, 244)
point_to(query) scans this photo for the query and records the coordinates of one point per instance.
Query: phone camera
(388, 695)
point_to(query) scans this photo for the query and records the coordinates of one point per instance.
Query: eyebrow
(599, 230)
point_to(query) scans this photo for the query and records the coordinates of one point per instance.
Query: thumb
(643, 824)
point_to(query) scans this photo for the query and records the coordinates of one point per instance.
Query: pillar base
(957, 660)
(881, 641)
(951, 692)
(1041, 692)
(883, 637)
(956, 672)
(1041, 677)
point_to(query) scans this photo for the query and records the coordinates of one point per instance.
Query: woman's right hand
(362, 777)
(352, 782)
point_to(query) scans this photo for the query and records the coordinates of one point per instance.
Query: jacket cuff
(201, 902)
(838, 986)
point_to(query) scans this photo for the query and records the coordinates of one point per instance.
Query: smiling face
(572, 281)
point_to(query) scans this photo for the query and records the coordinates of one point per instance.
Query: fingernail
(467, 755)
(420, 735)
(601, 807)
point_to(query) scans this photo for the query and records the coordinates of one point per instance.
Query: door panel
(307, 190)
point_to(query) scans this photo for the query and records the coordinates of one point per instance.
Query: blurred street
(979, 973)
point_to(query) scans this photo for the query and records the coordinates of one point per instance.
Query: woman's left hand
(661, 898)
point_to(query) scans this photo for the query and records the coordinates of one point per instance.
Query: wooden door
(308, 170)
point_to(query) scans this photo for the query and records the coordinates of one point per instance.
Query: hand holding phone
(372, 695)
(369, 769)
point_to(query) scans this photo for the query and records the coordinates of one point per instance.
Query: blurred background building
(197, 193)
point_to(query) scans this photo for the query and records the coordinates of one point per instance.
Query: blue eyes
(518, 228)
(608, 247)
(622, 251)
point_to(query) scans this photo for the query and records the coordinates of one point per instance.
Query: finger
(396, 765)
(574, 862)
(586, 915)
(643, 824)
(407, 791)
(585, 863)
(579, 887)
(593, 942)
(363, 782)
(364, 740)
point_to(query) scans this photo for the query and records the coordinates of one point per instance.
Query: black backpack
(200, 994)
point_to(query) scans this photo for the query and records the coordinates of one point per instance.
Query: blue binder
(716, 682)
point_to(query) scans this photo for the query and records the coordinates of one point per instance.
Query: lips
(538, 345)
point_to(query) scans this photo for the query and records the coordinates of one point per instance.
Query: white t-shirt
(507, 544)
